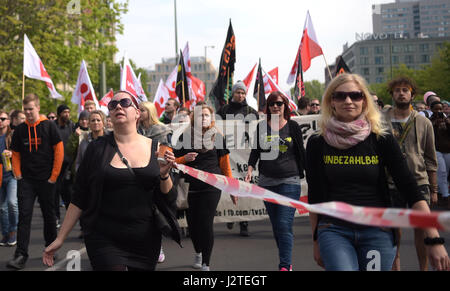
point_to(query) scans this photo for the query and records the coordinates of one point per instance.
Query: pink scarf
(344, 135)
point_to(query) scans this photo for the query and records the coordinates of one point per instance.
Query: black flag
(259, 92)
(181, 88)
(299, 88)
(341, 66)
(221, 91)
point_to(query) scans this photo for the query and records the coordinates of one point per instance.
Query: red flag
(309, 48)
(269, 87)
(248, 80)
(272, 83)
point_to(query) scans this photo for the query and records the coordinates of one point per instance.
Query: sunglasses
(277, 103)
(52, 117)
(341, 96)
(315, 104)
(124, 103)
(3, 118)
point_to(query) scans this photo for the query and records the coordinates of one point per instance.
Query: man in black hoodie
(237, 104)
(238, 108)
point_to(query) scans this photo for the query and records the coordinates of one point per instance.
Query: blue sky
(270, 29)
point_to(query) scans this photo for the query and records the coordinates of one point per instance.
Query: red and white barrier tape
(387, 217)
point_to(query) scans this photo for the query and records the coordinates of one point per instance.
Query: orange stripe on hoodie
(16, 164)
(58, 152)
(224, 163)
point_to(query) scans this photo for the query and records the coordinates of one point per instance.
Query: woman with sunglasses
(115, 197)
(279, 149)
(346, 162)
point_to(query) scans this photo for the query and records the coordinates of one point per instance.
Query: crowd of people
(114, 174)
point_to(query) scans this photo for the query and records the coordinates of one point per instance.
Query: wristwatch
(428, 241)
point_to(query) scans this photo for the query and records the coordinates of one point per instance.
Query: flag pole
(329, 72)
(228, 84)
(23, 87)
(184, 97)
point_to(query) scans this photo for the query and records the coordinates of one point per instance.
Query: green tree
(434, 77)
(62, 39)
(313, 89)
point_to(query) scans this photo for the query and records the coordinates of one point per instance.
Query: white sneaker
(162, 257)
(197, 261)
(205, 267)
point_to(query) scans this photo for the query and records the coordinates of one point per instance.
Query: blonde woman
(150, 126)
(203, 147)
(346, 162)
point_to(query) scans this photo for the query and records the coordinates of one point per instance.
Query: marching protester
(280, 173)
(414, 134)
(17, 117)
(51, 116)
(304, 106)
(8, 192)
(37, 157)
(80, 133)
(203, 147)
(65, 128)
(315, 106)
(429, 97)
(117, 187)
(441, 127)
(170, 111)
(96, 125)
(182, 116)
(346, 162)
(236, 109)
(238, 104)
(90, 106)
(151, 127)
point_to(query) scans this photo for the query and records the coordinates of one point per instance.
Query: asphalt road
(231, 252)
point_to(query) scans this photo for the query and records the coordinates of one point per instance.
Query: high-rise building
(406, 32)
(412, 18)
(202, 70)
(374, 59)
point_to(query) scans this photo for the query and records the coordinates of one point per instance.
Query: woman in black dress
(115, 206)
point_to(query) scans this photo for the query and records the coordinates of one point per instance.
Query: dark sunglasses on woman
(341, 96)
(124, 103)
(278, 103)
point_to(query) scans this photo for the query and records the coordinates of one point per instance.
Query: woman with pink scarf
(346, 162)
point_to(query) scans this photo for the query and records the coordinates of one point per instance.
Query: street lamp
(206, 47)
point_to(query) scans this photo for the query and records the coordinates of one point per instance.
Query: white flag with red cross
(272, 83)
(161, 97)
(268, 86)
(84, 90)
(34, 68)
(105, 100)
(129, 82)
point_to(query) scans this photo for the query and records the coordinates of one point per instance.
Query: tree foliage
(434, 77)
(313, 89)
(62, 39)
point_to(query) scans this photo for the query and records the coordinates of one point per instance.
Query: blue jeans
(282, 219)
(8, 205)
(443, 160)
(348, 249)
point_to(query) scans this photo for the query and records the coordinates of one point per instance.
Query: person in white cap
(429, 97)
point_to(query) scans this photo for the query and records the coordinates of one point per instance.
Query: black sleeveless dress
(125, 234)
